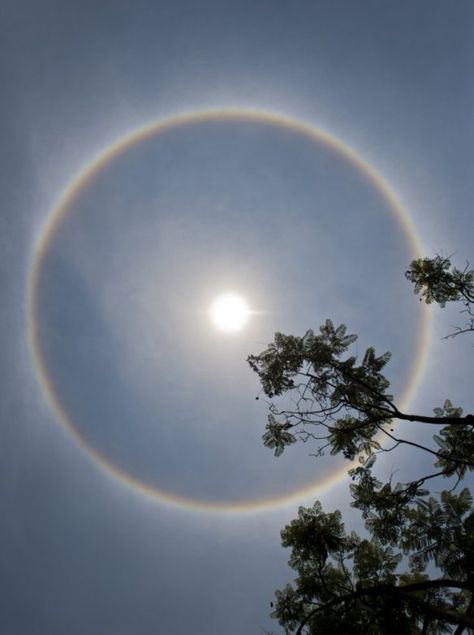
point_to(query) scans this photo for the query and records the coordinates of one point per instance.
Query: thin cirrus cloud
(83, 553)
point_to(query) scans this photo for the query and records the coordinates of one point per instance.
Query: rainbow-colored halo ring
(61, 209)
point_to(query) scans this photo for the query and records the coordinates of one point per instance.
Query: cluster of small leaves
(441, 531)
(382, 505)
(277, 436)
(423, 527)
(325, 387)
(455, 442)
(438, 281)
(328, 562)
(348, 436)
(346, 584)
(448, 410)
(279, 363)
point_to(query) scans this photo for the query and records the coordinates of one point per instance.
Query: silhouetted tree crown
(319, 391)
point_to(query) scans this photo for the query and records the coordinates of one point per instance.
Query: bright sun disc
(229, 312)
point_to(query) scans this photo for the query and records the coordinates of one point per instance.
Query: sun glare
(229, 312)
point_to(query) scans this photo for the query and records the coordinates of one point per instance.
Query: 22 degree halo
(61, 210)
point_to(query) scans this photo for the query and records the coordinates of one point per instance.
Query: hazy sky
(124, 288)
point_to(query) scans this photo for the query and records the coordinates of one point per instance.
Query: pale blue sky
(295, 227)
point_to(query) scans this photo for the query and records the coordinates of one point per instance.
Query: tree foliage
(413, 572)
(437, 280)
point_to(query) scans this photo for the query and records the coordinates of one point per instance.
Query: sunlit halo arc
(61, 209)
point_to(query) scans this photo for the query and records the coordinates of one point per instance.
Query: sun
(229, 312)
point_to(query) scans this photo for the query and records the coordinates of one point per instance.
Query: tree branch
(470, 608)
(466, 420)
(403, 591)
(422, 447)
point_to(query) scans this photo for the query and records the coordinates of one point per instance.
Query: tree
(345, 583)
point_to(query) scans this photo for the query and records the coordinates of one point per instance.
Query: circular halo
(61, 209)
